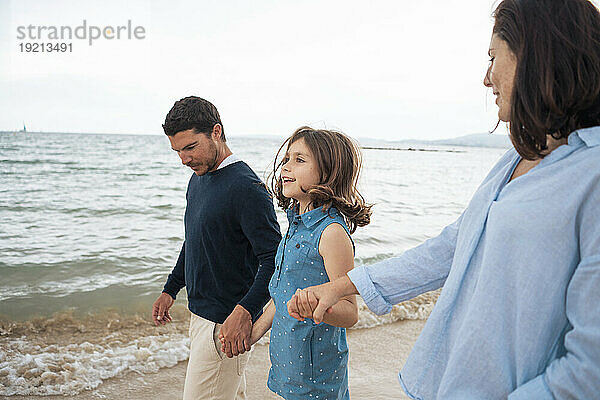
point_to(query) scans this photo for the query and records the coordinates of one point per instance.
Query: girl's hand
(318, 299)
(302, 305)
(222, 340)
(292, 307)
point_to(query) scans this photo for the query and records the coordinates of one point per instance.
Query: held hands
(259, 327)
(313, 302)
(160, 309)
(235, 332)
(302, 304)
(253, 339)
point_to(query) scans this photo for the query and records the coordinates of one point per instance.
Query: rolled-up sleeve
(416, 271)
(366, 288)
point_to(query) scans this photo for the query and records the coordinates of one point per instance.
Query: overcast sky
(382, 69)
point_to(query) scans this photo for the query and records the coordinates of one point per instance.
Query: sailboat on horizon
(20, 131)
(15, 132)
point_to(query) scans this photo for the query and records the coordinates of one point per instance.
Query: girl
(317, 187)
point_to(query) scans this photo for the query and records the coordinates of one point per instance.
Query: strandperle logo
(81, 32)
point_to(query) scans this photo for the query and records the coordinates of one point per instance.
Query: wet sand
(376, 356)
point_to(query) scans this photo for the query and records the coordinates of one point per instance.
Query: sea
(92, 224)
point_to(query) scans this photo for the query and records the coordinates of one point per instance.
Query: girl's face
(299, 171)
(500, 75)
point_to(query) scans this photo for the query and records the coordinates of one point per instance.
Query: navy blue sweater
(231, 237)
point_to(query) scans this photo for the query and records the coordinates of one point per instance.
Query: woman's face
(500, 75)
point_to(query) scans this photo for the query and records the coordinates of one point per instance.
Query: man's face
(196, 150)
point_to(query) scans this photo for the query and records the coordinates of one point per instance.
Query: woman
(518, 316)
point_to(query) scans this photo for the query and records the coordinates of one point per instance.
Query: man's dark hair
(193, 113)
(557, 81)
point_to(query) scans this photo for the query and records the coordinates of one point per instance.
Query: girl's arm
(263, 324)
(336, 249)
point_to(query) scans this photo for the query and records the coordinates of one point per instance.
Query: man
(228, 256)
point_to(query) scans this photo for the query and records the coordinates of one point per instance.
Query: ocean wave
(67, 370)
(77, 211)
(19, 208)
(168, 206)
(65, 354)
(373, 259)
(93, 274)
(37, 162)
(418, 308)
(89, 212)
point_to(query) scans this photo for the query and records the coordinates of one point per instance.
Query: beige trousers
(210, 374)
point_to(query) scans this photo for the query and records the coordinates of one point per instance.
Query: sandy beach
(376, 356)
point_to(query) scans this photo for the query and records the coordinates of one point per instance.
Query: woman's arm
(337, 251)
(385, 283)
(416, 271)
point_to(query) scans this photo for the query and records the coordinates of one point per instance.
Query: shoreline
(373, 370)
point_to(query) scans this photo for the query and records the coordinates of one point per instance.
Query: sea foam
(27, 369)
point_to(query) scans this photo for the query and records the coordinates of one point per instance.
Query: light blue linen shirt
(519, 314)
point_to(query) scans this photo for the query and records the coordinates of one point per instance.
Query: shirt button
(298, 246)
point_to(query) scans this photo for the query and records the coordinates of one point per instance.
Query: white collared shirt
(230, 159)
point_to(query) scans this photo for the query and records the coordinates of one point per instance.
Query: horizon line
(236, 136)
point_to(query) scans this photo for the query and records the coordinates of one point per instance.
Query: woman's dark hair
(339, 162)
(557, 80)
(193, 113)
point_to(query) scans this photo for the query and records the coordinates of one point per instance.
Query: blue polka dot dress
(308, 361)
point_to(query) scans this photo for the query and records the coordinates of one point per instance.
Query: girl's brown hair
(557, 81)
(339, 162)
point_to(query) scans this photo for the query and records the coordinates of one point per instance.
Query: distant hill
(477, 140)
(473, 140)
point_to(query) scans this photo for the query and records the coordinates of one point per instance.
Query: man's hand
(160, 309)
(236, 331)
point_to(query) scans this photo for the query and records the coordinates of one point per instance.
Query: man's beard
(211, 165)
